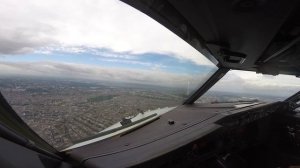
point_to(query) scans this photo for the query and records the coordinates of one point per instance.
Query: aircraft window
(250, 86)
(72, 69)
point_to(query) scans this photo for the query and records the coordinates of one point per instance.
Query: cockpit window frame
(222, 71)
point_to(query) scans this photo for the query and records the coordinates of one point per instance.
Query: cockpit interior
(256, 36)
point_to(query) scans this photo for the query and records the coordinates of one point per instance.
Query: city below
(64, 112)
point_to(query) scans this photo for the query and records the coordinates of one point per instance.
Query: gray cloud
(30, 24)
(234, 81)
(252, 83)
(25, 40)
(83, 71)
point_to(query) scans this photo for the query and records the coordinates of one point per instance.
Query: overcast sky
(253, 83)
(34, 24)
(107, 39)
(97, 39)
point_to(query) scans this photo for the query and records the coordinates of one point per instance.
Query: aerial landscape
(65, 111)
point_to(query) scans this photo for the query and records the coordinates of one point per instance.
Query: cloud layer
(83, 71)
(118, 34)
(252, 83)
(32, 24)
(234, 81)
